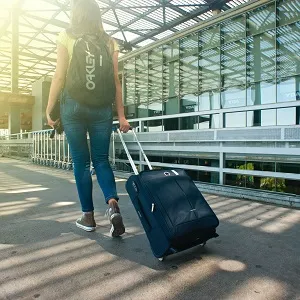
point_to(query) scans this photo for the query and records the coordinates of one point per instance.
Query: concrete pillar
(14, 122)
(172, 105)
(14, 119)
(15, 48)
(257, 78)
(221, 165)
(40, 89)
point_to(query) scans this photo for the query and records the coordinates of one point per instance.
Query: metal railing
(275, 140)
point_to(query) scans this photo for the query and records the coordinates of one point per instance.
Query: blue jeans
(78, 120)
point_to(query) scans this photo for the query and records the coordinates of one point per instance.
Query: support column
(141, 156)
(14, 120)
(257, 78)
(297, 92)
(40, 89)
(172, 105)
(222, 163)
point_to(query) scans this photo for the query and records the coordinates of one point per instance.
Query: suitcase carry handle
(129, 155)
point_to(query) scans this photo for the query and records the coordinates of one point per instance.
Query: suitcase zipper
(167, 231)
(193, 209)
(152, 207)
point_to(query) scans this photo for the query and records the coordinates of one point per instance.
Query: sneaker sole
(117, 226)
(86, 228)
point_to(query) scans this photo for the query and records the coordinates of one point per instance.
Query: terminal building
(215, 91)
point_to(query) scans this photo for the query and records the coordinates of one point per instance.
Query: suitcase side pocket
(133, 191)
(142, 214)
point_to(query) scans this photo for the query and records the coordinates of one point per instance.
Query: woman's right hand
(124, 125)
(51, 123)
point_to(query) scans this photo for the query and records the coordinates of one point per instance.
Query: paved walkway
(44, 256)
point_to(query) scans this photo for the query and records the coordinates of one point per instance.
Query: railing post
(221, 164)
(141, 157)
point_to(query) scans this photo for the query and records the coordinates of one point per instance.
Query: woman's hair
(86, 20)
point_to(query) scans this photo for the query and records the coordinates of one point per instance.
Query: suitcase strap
(129, 155)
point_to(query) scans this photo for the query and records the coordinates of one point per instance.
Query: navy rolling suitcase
(172, 210)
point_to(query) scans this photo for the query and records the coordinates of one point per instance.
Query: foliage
(273, 184)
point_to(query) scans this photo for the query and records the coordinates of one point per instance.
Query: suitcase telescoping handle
(129, 155)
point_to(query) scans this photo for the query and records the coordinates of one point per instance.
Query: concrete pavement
(44, 256)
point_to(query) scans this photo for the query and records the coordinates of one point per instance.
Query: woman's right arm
(58, 80)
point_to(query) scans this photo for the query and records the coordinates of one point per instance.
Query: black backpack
(90, 79)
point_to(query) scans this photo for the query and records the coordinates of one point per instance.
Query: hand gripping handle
(127, 151)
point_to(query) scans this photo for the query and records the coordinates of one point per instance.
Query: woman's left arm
(58, 80)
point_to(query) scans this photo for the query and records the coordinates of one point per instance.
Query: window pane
(265, 117)
(142, 110)
(205, 176)
(171, 70)
(171, 124)
(209, 69)
(215, 121)
(155, 74)
(268, 117)
(204, 121)
(209, 100)
(237, 119)
(130, 111)
(263, 183)
(286, 116)
(288, 89)
(233, 97)
(129, 82)
(288, 168)
(142, 78)
(261, 93)
(171, 106)
(288, 11)
(189, 123)
(209, 38)
(204, 101)
(261, 19)
(155, 108)
(189, 65)
(215, 101)
(288, 41)
(250, 118)
(189, 103)
(207, 162)
(261, 56)
(235, 180)
(261, 166)
(234, 29)
(290, 186)
(235, 164)
(233, 63)
(154, 125)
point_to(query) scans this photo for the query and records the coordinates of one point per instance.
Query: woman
(78, 119)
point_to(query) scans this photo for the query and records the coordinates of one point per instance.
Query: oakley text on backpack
(90, 78)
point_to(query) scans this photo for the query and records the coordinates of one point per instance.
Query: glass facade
(238, 73)
(249, 60)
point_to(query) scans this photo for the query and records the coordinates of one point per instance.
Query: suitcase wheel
(161, 259)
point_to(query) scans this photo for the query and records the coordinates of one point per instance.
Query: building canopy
(133, 23)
